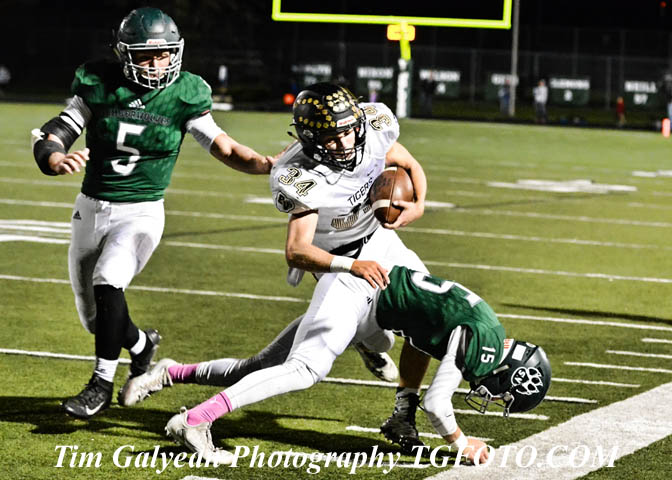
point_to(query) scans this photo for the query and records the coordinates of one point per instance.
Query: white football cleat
(380, 364)
(197, 438)
(136, 389)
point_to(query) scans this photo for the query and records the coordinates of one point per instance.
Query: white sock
(105, 369)
(140, 344)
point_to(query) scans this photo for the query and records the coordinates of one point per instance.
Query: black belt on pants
(353, 248)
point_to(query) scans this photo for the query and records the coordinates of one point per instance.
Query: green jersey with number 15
(426, 309)
(134, 134)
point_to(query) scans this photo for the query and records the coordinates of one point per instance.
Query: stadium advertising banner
(446, 82)
(495, 82)
(307, 74)
(569, 90)
(380, 79)
(641, 93)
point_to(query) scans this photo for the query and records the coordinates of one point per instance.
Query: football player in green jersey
(136, 111)
(441, 318)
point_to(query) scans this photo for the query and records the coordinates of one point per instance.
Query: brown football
(391, 185)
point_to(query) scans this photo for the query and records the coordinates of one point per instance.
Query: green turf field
(585, 274)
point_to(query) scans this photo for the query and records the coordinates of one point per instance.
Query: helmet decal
(323, 111)
(527, 381)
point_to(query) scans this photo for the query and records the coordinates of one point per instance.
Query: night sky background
(42, 42)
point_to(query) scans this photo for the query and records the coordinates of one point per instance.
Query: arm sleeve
(204, 129)
(77, 114)
(438, 404)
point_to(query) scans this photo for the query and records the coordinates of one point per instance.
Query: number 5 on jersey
(127, 129)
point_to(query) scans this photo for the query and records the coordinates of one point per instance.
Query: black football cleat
(95, 398)
(400, 428)
(140, 363)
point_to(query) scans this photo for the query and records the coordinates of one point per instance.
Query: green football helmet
(149, 29)
(518, 384)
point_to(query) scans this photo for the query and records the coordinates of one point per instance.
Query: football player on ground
(322, 181)
(442, 318)
(136, 112)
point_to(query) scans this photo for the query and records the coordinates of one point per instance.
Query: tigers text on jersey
(426, 309)
(134, 134)
(299, 183)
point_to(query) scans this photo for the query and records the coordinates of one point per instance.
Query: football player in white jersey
(322, 182)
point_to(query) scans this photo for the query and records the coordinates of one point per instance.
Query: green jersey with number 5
(426, 309)
(134, 134)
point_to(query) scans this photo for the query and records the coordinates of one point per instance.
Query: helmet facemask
(150, 30)
(339, 158)
(324, 111)
(147, 76)
(518, 384)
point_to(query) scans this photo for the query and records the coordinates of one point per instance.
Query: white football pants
(111, 243)
(340, 312)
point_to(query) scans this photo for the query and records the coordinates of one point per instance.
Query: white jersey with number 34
(340, 197)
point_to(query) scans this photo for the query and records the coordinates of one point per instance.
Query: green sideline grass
(459, 158)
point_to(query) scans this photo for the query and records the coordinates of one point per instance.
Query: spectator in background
(504, 94)
(620, 112)
(667, 91)
(5, 77)
(427, 87)
(540, 93)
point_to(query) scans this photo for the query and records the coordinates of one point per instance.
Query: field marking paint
(596, 382)
(61, 356)
(563, 186)
(585, 322)
(618, 367)
(224, 247)
(380, 383)
(357, 428)
(656, 340)
(639, 354)
(294, 299)
(549, 216)
(539, 271)
(145, 288)
(470, 211)
(34, 225)
(606, 428)
(504, 236)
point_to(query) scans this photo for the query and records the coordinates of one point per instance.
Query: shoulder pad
(90, 78)
(192, 89)
(382, 126)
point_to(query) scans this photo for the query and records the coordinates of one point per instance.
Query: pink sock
(210, 410)
(183, 373)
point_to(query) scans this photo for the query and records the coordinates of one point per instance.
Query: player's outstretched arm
(473, 449)
(240, 157)
(301, 253)
(399, 156)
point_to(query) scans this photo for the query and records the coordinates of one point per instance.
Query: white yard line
(357, 428)
(167, 290)
(584, 321)
(61, 356)
(570, 218)
(640, 354)
(618, 367)
(379, 383)
(601, 430)
(596, 382)
(656, 340)
(504, 236)
(539, 271)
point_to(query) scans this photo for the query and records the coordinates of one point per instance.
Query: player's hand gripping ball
(391, 185)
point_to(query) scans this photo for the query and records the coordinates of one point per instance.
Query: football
(391, 185)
